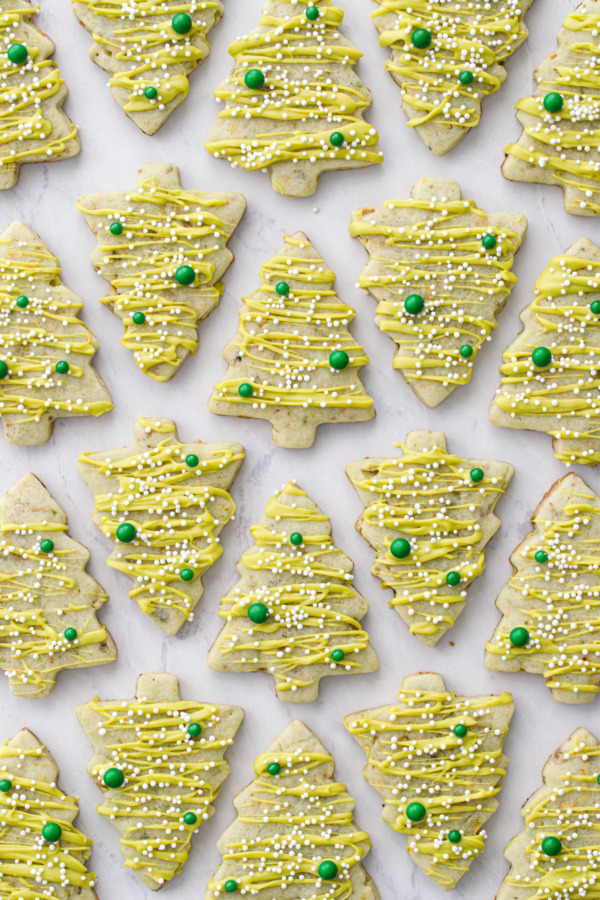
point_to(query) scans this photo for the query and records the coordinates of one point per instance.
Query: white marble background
(113, 149)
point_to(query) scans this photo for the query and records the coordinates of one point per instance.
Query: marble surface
(113, 149)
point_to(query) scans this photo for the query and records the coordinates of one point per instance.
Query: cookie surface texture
(561, 120)
(296, 600)
(287, 364)
(314, 849)
(550, 623)
(31, 865)
(556, 854)
(46, 351)
(550, 375)
(172, 280)
(293, 104)
(160, 762)
(428, 515)
(149, 52)
(436, 759)
(48, 602)
(33, 125)
(163, 503)
(441, 270)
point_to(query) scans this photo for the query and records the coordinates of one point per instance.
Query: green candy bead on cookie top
(116, 228)
(230, 886)
(336, 139)
(338, 360)
(542, 357)
(595, 307)
(185, 275)
(70, 634)
(254, 79)
(476, 475)
(460, 730)
(3, 369)
(150, 93)
(47, 546)
(138, 318)
(551, 845)
(190, 818)
(553, 102)
(245, 390)
(541, 556)
(186, 574)
(328, 870)
(296, 538)
(22, 302)
(465, 77)
(414, 304)
(181, 23)
(400, 548)
(194, 729)
(312, 13)
(466, 351)
(5, 785)
(273, 768)
(421, 38)
(415, 812)
(519, 637)
(17, 54)
(52, 832)
(282, 288)
(126, 532)
(489, 241)
(337, 655)
(62, 367)
(453, 578)
(113, 778)
(258, 613)
(454, 836)
(191, 460)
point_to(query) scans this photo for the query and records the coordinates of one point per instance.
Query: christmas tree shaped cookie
(160, 763)
(440, 270)
(429, 515)
(561, 121)
(42, 854)
(149, 50)
(550, 624)
(550, 375)
(45, 349)
(447, 58)
(437, 761)
(556, 854)
(293, 360)
(163, 503)
(295, 834)
(294, 612)
(33, 126)
(171, 281)
(293, 103)
(48, 602)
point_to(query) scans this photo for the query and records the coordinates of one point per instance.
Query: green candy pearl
(181, 23)
(22, 302)
(476, 475)
(138, 318)
(17, 54)
(595, 307)
(328, 870)
(415, 812)
(254, 79)
(282, 288)
(258, 613)
(296, 538)
(488, 241)
(150, 93)
(191, 460)
(465, 77)
(113, 778)
(186, 574)
(541, 556)
(421, 38)
(551, 846)
(453, 578)
(47, 546)
(115, 228)
(190, 818)
(230, 886)
(3, 369)
(126, 532)
(312, 13)
(460, 730)
(184, 275)
(466, 351)
(70, 634)
(5, 785)
(245, 390)
(273, 768)
(52, 832)
(414, 304)
(542, 357)
(400, 548)
(338, 360)
(336, 139)
(553, 102)
(337, 655)
(194, 729)
(62, 367)
(519, 637)
(454, 836)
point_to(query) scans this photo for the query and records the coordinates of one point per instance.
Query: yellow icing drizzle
(466, 37)
(167, 774)
(142, 49)
(565, 144)
(558, 601)
(163, 228)
(30, 868)
(284, 343)
(310, 92)
(26, 96)
(310, 590)
(174, 510)
(562, 399)
(415, 756)
(293, 822)
(428, 498)
(439, 256)
(34, 339)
